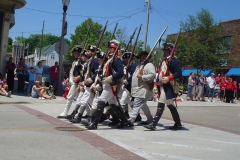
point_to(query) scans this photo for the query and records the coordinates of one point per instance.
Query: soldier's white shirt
(71, 72)
(140, 87)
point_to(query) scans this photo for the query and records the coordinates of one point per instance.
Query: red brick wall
(232, 28)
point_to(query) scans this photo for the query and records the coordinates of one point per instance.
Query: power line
(126, 17)
(87, 16)
(164, 18)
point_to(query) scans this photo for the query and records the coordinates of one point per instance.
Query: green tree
(34, 41)
(80, 35)
(199, 41)
(9, 47)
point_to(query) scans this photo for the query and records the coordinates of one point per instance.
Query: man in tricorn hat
(112, 72)
(89, 78)
(169, 70)
(74, 78)
(140, 88)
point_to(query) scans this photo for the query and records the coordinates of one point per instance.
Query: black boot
(115, 119)
(86, 116)
(72, 115)
(98, 114)
(77, 119)
(160, 109)
(126, 114)
(138, 118)
(87, 121)
(177, 125)
(119, 112)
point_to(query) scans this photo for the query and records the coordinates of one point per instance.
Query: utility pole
(41, 42)
(147, 21)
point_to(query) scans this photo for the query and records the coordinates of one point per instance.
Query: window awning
(187, 72)
(233, 72)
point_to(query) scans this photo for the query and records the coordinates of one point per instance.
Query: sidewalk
(193, 142)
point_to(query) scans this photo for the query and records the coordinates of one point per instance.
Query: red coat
(229, 85)
(235, 87)
(223, 85)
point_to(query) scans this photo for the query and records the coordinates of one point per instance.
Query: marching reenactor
(82, 69)
(74, 78)
(89, 78)
(140, 87)
(112, 72)
(169, 71)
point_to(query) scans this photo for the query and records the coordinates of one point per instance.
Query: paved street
(29, 130)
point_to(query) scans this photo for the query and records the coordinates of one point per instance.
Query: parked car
(46, 75)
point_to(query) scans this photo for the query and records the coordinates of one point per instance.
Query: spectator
(10, 67)
(229, 90)
(194, 88)
(39, 71)
(44, 92)
(218, 79)
(54, 70)
(190, 86)
(50, 92)
(4, 87)
(21, 69)
(39, 92)
(31, 78)
(200, 85)
(235, 88)
(223, 86)
(66, 90)
(238, 92)
(211, 87)
(217, 90)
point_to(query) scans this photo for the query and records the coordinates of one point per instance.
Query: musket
(131, 56)
(85, 41)
(93, 56)
(148, 56)
(130, 40)
(114, 31)
(175, 44)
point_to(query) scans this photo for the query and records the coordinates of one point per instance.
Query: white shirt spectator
(211, 82)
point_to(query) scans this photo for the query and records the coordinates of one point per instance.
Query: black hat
(113, 43)
(126, 55)
(76, 49)
(91, 47)
(100, 54)
(142, 53)
(84, 52)
(167, 46)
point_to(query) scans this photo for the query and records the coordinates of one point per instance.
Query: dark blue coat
(117, 69)
(176, 70)
(131, 70)
(94, 69)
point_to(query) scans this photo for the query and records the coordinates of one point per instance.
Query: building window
(225, 45)
(52, 56)
(222, 62)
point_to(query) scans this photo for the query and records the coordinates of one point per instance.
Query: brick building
(231, 41)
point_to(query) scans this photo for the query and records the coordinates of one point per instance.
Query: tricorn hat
(100, 54)
(84, 52)
(142, 53)
(91, 47)
(77, 48)
(127, 55)
(167, 46)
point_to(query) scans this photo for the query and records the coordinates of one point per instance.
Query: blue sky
(128, 13)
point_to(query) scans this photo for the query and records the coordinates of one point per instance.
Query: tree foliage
(34, 41)
(199, 41)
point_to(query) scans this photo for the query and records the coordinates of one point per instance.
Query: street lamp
(59, 86)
